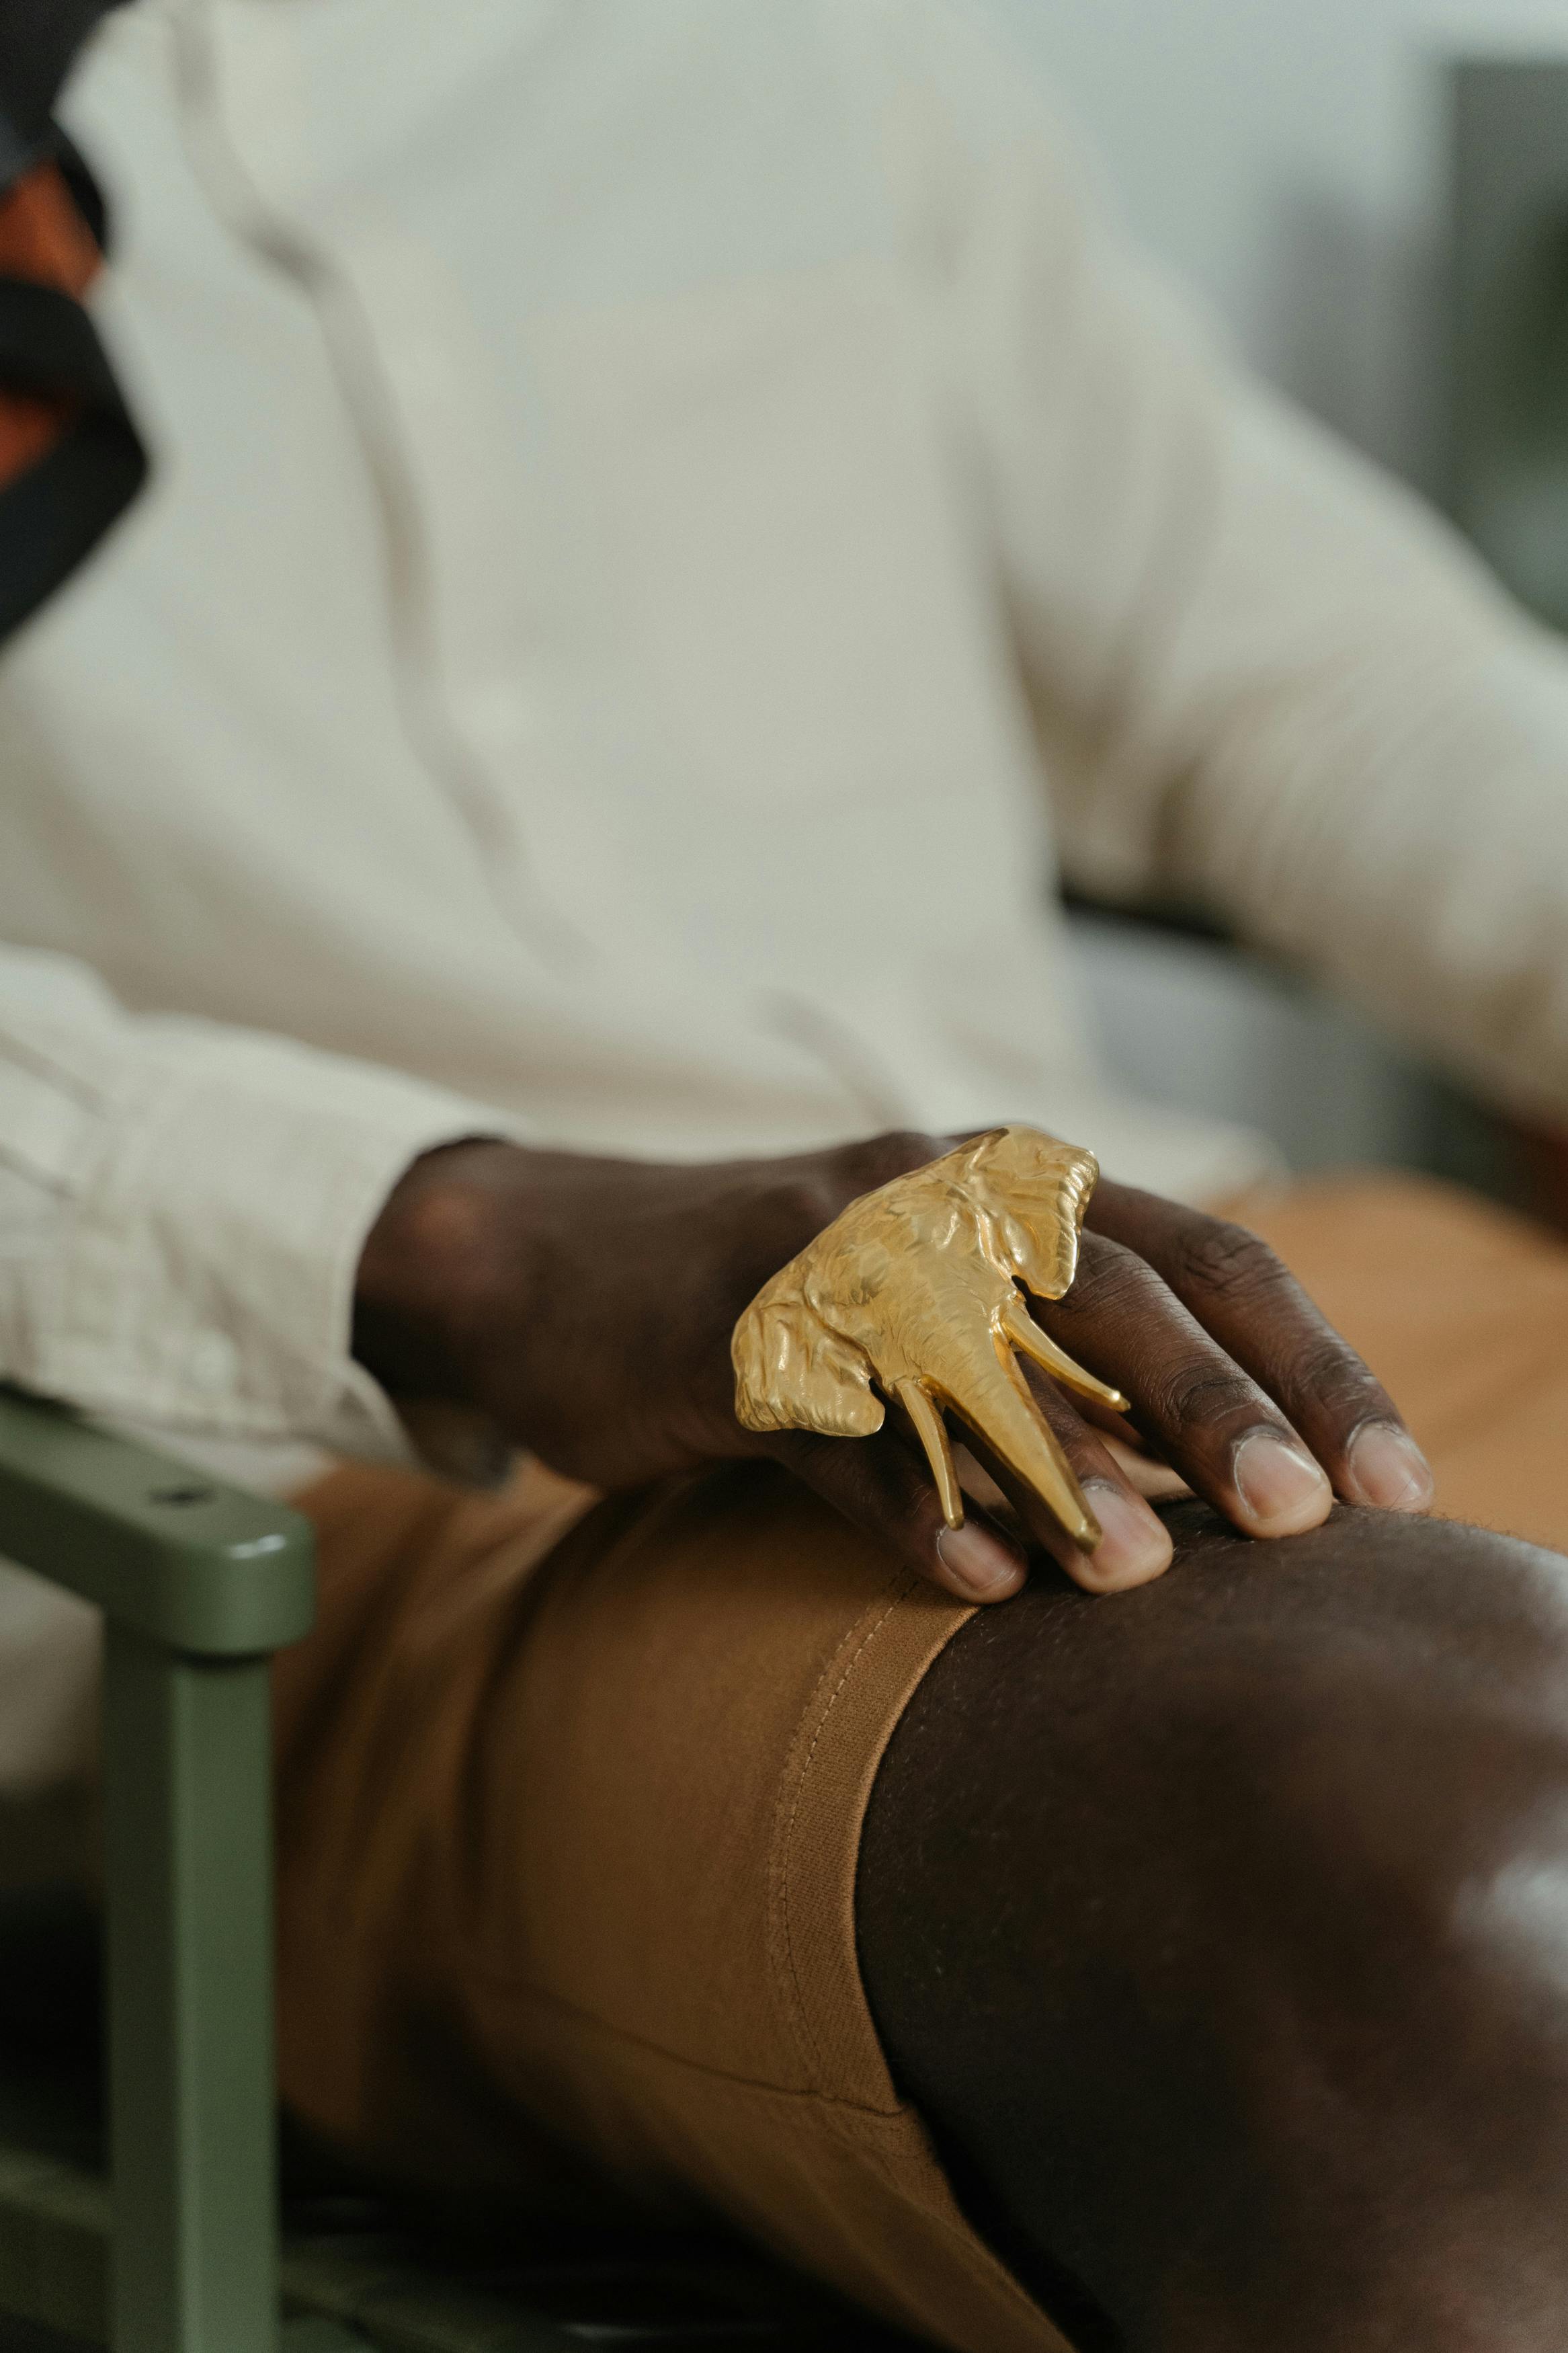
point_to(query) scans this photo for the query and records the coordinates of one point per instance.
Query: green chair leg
(199, 1583)
(188, 1861)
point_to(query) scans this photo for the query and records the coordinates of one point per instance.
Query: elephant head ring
(915, 1287)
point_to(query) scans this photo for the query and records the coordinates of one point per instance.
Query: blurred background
(1373, 198)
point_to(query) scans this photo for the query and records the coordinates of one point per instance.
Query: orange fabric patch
(43, 238)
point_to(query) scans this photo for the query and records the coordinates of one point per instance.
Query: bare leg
(1221, 1930)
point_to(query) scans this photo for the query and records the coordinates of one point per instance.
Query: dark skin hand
(585, 1305)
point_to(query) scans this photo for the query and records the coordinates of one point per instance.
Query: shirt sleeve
(1265, 675)
(183, 1205)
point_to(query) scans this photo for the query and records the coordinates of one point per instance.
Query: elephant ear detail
(916, 1286)
(793, 1373)
(1031, 1193)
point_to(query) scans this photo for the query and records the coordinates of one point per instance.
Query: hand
(587, 1305)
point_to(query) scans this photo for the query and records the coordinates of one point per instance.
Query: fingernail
(1279, 1484)
(1135, 1546)
(1387, 1467)
(982, 1567)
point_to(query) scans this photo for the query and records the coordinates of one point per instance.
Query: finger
(1144, 1472)
(1242, 1294)
(1134, 1544)
(988, 1392)
(932, 1431)
(1208, 1416)
(1144, 1469)
(883, 1486)
(1027, 1335)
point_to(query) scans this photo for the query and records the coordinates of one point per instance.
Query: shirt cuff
(204, 1275)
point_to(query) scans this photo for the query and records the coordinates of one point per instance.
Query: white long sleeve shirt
(669, 524)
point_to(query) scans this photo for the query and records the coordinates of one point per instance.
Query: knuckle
(1222, 1261)
(1332, 1375)
(794, 1209)
(1207, 1394)
(1111, 1278)
(878, 1159)
(801, 1197)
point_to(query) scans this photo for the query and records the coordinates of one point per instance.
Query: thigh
(1214, 1928)
(1159, 1901)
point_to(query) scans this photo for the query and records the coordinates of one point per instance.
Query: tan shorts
(571, 1796)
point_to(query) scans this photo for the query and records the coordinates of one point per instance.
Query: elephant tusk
(915, 1287)
(1027, 1335)
(1007, 1419)
(932, 1431)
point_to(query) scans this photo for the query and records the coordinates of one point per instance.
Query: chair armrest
(194, 1564)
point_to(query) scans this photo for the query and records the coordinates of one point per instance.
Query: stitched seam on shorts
(547, 1999)
(837, 2114)
(809, 2048)
(955, 2227)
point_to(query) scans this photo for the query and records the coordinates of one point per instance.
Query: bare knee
(1224, 1928)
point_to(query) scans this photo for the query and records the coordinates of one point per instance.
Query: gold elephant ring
(915, 1287)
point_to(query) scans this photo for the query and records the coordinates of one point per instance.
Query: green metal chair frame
(199, 1583)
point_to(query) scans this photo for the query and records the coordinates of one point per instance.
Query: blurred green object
(199, 1584)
